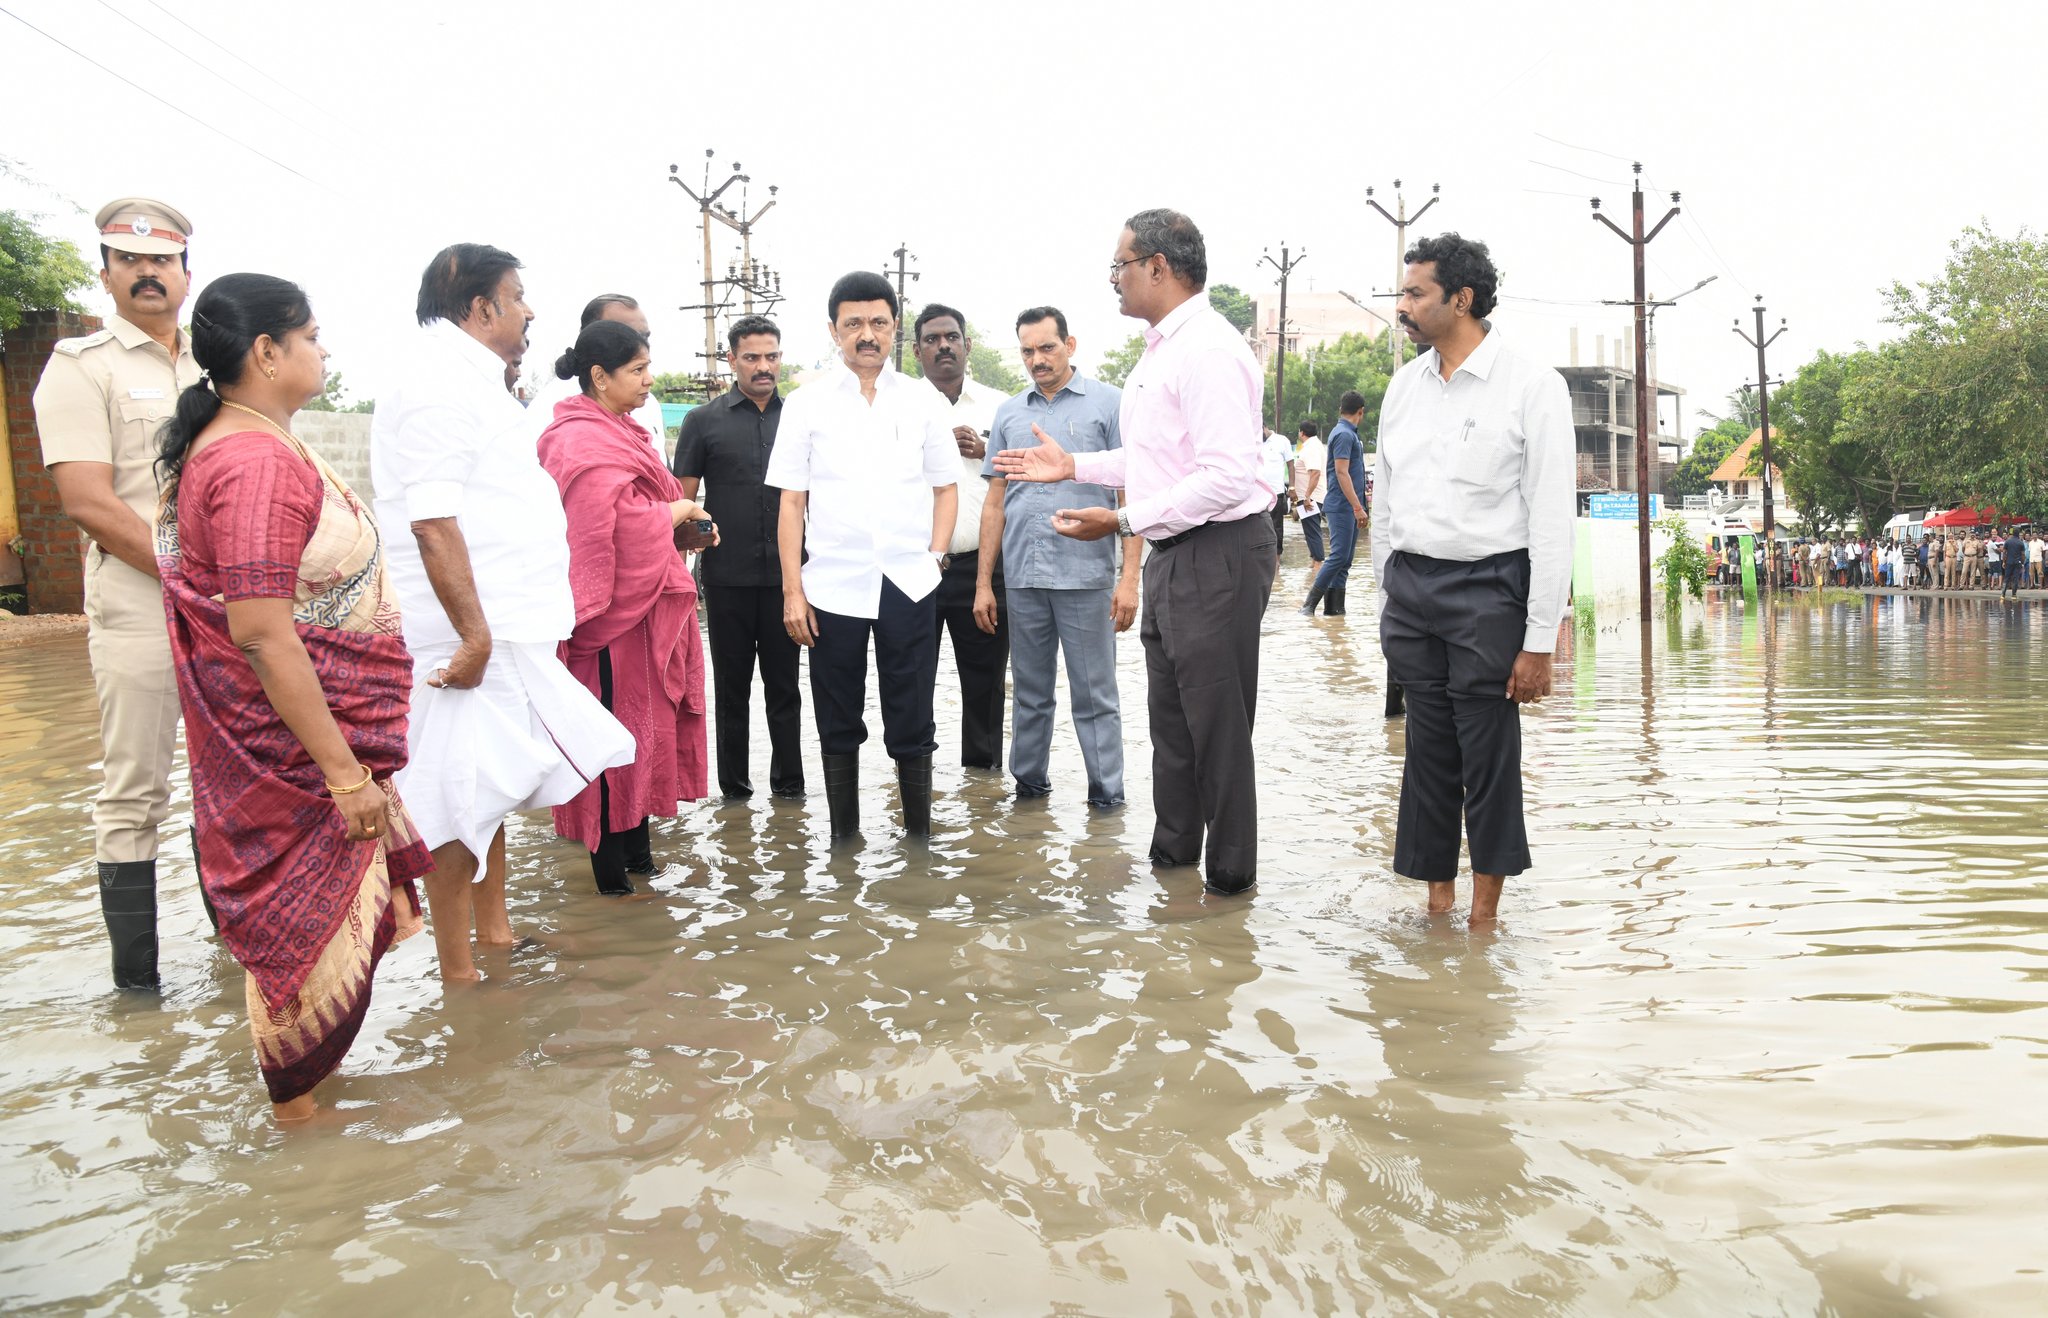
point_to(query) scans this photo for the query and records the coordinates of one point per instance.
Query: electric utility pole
(1285, 265)
(1637, 241)
(902, 274)
(1763, 406)
(1401, 219)
(706, 200)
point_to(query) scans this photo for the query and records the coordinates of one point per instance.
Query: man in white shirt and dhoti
(498, 724)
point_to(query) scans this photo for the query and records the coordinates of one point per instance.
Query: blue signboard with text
(1619, 507)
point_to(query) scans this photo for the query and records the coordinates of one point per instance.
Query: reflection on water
(1763, 1034)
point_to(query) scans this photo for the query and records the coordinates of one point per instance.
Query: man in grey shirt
(1063, 594)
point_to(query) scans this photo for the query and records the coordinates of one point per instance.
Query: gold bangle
(345, 791)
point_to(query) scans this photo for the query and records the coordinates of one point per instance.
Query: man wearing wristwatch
(868, 469)
(1197, 490)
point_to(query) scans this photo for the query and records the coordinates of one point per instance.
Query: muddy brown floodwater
(1764, 1033)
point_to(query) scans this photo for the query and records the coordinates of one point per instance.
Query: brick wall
(53, 551)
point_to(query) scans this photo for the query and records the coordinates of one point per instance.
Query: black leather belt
(1172, 540)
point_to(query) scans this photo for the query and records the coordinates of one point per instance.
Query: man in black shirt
(725, 444)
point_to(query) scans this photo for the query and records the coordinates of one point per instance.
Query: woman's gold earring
(270, 371)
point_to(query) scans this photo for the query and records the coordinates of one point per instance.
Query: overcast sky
(1822, 150)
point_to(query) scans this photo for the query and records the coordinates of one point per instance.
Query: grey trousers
(1204, 600)
(1043, 623)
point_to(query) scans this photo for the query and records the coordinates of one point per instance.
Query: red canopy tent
(1966, 517)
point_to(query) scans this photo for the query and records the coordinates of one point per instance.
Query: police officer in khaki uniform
(98, 408)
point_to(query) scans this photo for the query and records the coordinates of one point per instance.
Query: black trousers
(746, 629)
(1204, 599)
(981, 659)
(906, 667)
(1451, 632)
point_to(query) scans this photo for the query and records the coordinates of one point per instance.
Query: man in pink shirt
(1195, 488)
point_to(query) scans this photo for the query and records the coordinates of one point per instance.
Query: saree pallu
(307, 912)
(636, 607)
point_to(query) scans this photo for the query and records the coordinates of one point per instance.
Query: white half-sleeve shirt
(451, 441)
(869, 470)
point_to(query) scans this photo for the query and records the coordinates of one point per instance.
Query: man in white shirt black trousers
(868, 470)
(1473, 508)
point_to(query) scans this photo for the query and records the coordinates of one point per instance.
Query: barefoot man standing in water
(1473, 553)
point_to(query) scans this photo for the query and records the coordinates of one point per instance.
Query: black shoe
(1315, 597)
(736, 791)
(1026, 792)
(842, 794)
(787, 791)
(1164, 861)
(914, 784)
(128, 900)
(1229, 885)
(639, 850)
(1333, 604)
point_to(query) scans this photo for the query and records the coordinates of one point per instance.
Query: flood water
(1766, 1031)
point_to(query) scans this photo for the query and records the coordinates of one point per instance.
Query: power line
(158, 99)
(233, 56)
(1590, 178)
(1589, 150)
(206, 68)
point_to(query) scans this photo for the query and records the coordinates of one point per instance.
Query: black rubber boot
(842, 794)
(212, 916)
(638, 849)
(608, 866)
(1397, 704)
(1315, 597)
(1333, 603)
(914, 783)
(128, 900)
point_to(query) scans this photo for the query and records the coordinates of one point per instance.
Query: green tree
(1962, 399)
(1839, 463)
(1710, 448)
(1119, 362)
(1233, 304)
(37, 272)
(331, 398)
(1317, 379)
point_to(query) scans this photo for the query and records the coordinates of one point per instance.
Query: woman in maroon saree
(635, 644)
(294, 682)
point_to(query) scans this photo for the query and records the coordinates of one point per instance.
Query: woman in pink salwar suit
(636, 644)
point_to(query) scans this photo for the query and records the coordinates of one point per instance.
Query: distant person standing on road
(1474, 557)
(1345, 513)
(1310, 455)
(2015, 565)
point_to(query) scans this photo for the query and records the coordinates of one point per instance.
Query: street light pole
(1285, 265)
(1637, 241)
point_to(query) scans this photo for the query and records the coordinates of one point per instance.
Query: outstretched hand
(1044, 464)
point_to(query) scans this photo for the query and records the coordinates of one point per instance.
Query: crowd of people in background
(2007, 560)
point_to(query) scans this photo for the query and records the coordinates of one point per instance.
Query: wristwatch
(942, 558)
(1123, 523)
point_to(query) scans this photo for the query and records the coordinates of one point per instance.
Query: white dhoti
(528, 736)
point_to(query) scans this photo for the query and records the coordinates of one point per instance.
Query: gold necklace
(348, 495)
(227, 402)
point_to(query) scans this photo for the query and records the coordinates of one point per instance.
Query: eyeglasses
(1116, 268)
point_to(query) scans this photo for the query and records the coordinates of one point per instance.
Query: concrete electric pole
(753, 281)
(1401, 219)
(1763, 407)
(902, 274)
(1285, 265)
(1637, 241)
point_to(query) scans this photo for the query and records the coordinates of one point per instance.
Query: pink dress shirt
(1192, 428)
